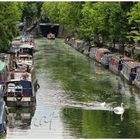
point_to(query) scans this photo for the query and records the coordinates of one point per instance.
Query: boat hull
(24, 102)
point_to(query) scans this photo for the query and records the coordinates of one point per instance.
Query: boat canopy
(103, 50)
(2, 66)
(132, 64)
(26, 46)
(2, 111)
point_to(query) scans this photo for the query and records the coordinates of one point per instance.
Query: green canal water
(73, 89)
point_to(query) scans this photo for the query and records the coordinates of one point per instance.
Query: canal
(75, 99)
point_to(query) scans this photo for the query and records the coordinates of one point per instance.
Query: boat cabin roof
(18, 76)
(103, 50)
(24, 56)
(2, 65)
(17, 42)
(132, 64)
(26, 46)
(125, 58)
(2, 109)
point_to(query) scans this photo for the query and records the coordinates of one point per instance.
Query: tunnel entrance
(46, 28)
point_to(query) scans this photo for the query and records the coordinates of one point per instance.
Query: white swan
(44, 119)
(119, 109)
(103, 104)
(37, 125)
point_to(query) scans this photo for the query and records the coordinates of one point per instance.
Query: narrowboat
(3, 112)
(71, 41)
(26, 49)
(106, 59)
(16, 43)
(4, 72)
(100, 53)
(86, 49)
(137, 80)
(92, 52)
(24, 59)
(5, 57)
(3, 117)
(116, 63)
(26, 37)
(21, 89)
(78, 45)
(20, 117)
(51, 36)
(129, 70)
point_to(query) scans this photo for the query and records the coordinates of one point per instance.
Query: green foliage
(134, 21)
(70, 15)
(66, 13)
(104, 18)
(51, 10)
(9, 15)
(30, 12)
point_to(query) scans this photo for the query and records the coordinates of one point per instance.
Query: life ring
(11, 93)
(18, 98)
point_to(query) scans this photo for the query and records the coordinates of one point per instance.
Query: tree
(30, 12)
(51, 10)
(70, 16)
(134, 21)
(8, 26)
(104, 19)
(65, 13)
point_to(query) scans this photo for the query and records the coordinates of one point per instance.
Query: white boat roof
(26, 46)
(18, 76)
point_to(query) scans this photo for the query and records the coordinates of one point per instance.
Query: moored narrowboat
(3, 117)
(100, 53)
(86, 49)
(92, 52)
(4, 72)
(26, 49)
(137, 79)
(24, 59)
(129, 70)
(51, 36)
(116, 63)
(106, 59)
(21, 89)
(78, 45)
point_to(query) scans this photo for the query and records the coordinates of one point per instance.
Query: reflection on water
(19, 120)
(20, 117)
(77, 97)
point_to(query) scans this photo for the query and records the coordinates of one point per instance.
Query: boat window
(27, 88)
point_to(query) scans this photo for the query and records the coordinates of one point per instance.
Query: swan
(119, 109)
(103, 104)
(37, 125)
(44, 118)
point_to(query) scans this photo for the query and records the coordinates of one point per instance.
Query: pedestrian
(37, 84)
(120, 63)
(28, 69)
(132, 75)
